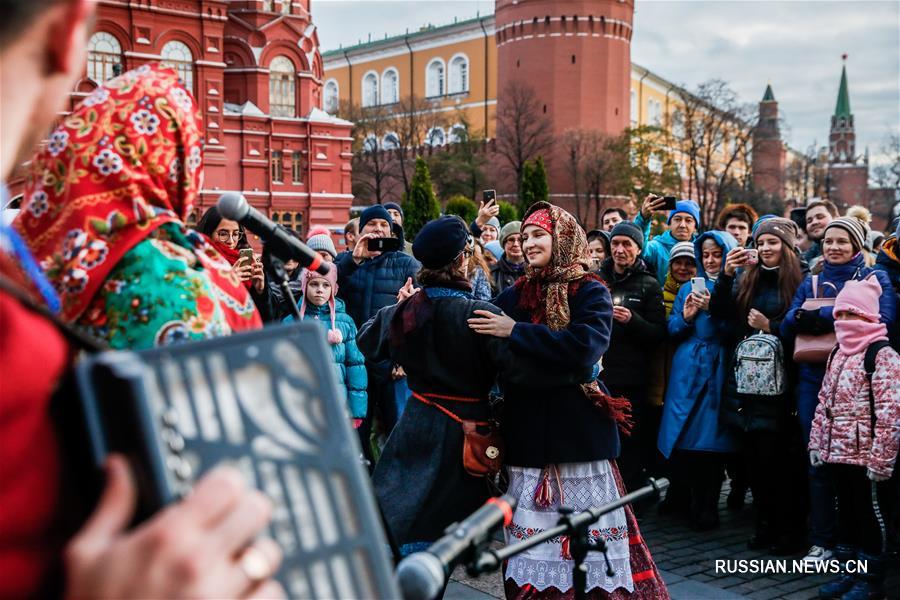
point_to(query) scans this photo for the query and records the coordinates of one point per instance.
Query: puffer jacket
(810, 375)
(349, 362)
(842, 427)
(370, 286)
(626, 362)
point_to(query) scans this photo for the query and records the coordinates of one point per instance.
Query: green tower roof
(769, 96)
(843, 100)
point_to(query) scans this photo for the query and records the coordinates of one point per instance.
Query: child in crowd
(319, 302)
(859, 447)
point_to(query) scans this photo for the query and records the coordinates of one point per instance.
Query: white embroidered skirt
(584, 485)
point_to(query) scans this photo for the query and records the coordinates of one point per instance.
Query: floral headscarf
(545, 292)
(125, 162)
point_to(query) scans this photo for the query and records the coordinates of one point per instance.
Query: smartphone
(698, 285)
(488, 196)
(246, 255)
(669, 202)
(752, 255)
(383, 244)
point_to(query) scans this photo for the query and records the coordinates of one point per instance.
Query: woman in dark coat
(561, 442)
(420, 481)
(755, 300)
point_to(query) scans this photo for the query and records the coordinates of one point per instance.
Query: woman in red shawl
(104, 214)
(561, 444)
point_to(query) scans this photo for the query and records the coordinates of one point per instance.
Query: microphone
(234, 206)
(422, 575)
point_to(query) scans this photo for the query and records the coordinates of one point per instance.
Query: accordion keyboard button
(184, 471)
(170, 417)
(174, 441)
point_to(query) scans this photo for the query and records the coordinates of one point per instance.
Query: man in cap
(639, 324)
(511, 264)
(683, 222)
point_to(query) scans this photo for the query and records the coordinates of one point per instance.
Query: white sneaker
(818, 554)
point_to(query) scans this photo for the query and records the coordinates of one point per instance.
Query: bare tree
(410, 122)
(574, 147)
(713, 135)
(887, 174)
(523, 130)
(374, 169)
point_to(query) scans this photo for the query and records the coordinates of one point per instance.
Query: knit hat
(440, 241)
(853, 226)
(324, 242)
(682, 249)
(688, 207)
(511, 228)
(395, 206)
(783, 229)
(759, 221)
(629, 230)
(377, 211)
(317, 230)
(494, 248)
(872, 240)
(334, 334)
(860, 298)
(494, 222)
(540, 218)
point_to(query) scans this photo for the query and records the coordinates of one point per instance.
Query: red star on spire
(844, 56)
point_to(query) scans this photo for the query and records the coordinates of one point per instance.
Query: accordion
(268, 404)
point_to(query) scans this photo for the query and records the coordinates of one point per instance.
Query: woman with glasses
(229, 239)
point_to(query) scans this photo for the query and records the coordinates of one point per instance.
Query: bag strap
(869, 364)
(815, 286)
(446, 411)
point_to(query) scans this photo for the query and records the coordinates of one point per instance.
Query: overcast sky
(795, 45)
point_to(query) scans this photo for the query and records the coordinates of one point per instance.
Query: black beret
(440, 241)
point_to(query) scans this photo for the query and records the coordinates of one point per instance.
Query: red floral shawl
(545, 292)
(126, 161)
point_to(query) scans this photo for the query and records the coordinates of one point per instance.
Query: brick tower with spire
(768, 158)
(847, 180)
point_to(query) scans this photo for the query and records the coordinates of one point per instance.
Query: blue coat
(892, 267)
(691, 410)
(372, 285)
(810, 375)
(656, 251)
(348, 360)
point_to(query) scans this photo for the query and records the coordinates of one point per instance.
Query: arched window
(177, 55)
(282, 93)
(457, 134)
(332, 96)
(390, 142)
(285, 7)
(390, 87)
(370, 90)
(436, 137)
(459, 75)
(104, 56)
(370, 144)
(434, 79)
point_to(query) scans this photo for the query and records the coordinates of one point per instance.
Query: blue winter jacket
(691, 410)
(656, 251)
(372, 285)
(349, 362)
(811, 375)
(891, 266)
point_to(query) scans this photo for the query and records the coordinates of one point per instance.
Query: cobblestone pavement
(687, 561)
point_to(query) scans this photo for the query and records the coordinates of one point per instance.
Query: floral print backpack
(759, 366)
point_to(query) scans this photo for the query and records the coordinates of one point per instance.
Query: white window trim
(377, 89)
(448, 75)
(384, 141)
(432, 130)
(441, 62)
(382, 88)
(337, 96)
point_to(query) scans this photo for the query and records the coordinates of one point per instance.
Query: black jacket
(505, 273)
(626, 363)
(558, 425)
(753, 413)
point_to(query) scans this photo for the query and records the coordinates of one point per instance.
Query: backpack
(759, 366)
(869, 365)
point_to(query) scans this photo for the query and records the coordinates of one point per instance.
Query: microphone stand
(574, 525)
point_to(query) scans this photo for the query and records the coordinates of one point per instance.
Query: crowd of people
(560, 365)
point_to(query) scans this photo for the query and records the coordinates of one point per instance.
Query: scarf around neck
(854, 336)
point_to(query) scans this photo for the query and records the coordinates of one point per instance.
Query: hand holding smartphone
(698, 286)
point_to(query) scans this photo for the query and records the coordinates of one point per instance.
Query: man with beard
(819, 213)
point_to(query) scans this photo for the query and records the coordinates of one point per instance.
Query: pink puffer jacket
(842, 428)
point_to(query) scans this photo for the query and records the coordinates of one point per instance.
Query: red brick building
(848, 175)
(768, 159)
(255, 69)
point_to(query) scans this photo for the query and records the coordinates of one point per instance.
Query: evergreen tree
(540, 187)
(508, 212)
(462, 206)
(420, 205)
(526, 192)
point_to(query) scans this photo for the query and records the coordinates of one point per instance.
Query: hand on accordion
(202, 547)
